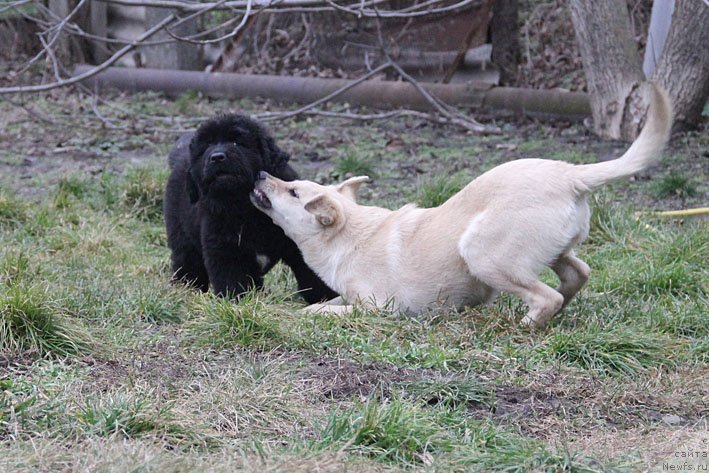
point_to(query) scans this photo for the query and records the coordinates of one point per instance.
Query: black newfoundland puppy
(215, 233)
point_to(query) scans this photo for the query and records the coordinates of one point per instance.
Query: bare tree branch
(450, 113)
(360, 9)
(110, 61)
(244, 10)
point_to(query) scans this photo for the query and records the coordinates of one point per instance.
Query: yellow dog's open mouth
(259, 199)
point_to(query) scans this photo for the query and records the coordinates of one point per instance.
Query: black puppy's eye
(293, 193)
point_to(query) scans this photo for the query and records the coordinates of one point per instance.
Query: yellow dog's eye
(293, 193)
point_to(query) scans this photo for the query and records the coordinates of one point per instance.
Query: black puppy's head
(227, 153)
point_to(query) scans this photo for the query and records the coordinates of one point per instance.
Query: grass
(452, 392)
(12, 211)
(106, 366)
(433, 192)
(142, 192)
(675, 184)
(31, 320)
(250, 323)
(621, 351)
(353, 165)
(123, 415)
(394, 431)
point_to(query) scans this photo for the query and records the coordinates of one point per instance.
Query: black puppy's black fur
(215, 233)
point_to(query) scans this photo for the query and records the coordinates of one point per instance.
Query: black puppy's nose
(217, 157)
(262, 175)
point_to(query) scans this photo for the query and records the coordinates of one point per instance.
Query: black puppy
(215, 233)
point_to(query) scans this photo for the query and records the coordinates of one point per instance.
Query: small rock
(671, 419)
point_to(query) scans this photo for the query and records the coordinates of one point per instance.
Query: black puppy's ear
(274, 157)
(192, 188)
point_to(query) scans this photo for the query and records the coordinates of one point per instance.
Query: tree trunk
(683, 69)
(504, 36)
(612, 66)
(176, 55)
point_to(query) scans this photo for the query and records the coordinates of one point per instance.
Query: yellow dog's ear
(350, 186)
(327, 211)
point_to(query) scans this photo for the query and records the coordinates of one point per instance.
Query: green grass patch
(31, 320)
(29, 407)
(674, 184)
(609, 351)
(518, 455)
(16, 267)
(351, 164)
(453, 392)
(164, 305)
(70, 189)
(611, 223)
(13, 211)
(131, 417)
(143, 190)
(372, 336)
(393, 431)
(434, 191)
(658, 260)
(251, 322)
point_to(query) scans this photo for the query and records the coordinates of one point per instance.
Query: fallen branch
(375, 94)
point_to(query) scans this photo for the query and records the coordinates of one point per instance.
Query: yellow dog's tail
(645, 150)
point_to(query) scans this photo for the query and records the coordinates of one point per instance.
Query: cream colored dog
(497, 234)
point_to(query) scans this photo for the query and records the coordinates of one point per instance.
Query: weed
(699, 351)
(15, 267)
(517, 455)
(109, 189)
(26, 407)
(128, 417)
(351, 164)
(31, 320)
(43, 218)
(250, 323)
(685, 318)
(184, 104)
(621, 350)
(660, 263)
(395, 431)
(70, 188)
(434, 192)
(675, 184)
(610, 223)
(131, 417)
(160, 306)
(13, 212)
(450, 391)
(143, 190)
